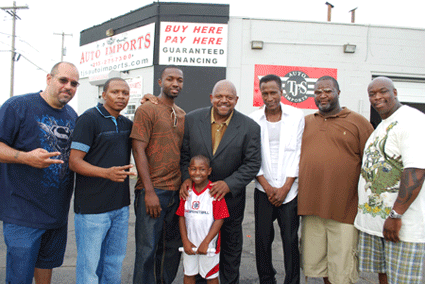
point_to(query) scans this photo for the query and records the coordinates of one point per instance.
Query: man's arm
(37, 158)
(184, 162)
(265, 184)
(82, 167)
(185, 151)
(153, 207)
(410, 186)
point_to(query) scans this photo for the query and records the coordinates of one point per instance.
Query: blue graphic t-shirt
(29, 196)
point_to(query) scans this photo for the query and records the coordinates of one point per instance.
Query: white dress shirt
(288, 153)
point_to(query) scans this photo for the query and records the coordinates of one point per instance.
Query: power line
(34, 63)
(21, 40)
(26, 58)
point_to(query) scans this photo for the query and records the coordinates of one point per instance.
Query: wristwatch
(395, 215)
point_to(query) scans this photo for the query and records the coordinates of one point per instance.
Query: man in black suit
(231, 141)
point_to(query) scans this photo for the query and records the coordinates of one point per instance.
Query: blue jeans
(101, 246)
(157, 240)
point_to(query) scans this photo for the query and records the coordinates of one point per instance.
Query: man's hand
(184, 189)
(219, 189)
(278, 195)
(392, 228)
(149, 97)
(153, 207)
(40, 158)
(119, 174)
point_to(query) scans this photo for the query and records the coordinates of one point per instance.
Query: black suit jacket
(238, 156)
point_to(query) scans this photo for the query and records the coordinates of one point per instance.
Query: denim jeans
(157, 240)
(101, 246)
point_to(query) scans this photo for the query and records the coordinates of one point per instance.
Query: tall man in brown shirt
(331, 154)
(157, 138)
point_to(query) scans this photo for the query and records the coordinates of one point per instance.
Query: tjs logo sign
(297, 83)
(295, 86)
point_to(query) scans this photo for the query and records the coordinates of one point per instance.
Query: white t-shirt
(274, 140)
(200, 210)
(397, 143)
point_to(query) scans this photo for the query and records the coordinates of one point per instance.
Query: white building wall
(380, 51)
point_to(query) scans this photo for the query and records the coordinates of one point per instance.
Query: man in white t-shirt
(276, 185)
(391, 211)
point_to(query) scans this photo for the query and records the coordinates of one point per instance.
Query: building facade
(209, 46)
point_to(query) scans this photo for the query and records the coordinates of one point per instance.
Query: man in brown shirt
(331, 154)
(157, 138)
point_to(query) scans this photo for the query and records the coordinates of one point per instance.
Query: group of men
(307, 167)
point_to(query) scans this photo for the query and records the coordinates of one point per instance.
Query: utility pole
(63, 41)
(12, 11)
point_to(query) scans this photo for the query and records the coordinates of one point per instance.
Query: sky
(40, 49)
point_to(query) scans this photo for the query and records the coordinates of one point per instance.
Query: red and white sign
(193, 44)
(297, 83)
(136, 87)
(126, 51)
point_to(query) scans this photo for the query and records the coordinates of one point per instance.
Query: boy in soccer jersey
(201, 217)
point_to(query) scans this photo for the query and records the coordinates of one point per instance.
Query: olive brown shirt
(331, 156)
(218, 129)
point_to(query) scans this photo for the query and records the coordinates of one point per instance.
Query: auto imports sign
(126, 51)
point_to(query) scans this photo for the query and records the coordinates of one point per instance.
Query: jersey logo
(195, 205)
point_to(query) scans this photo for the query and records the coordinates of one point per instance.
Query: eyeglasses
(175, 117)
(64, 81)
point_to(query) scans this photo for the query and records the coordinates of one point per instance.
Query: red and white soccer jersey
(200, 210)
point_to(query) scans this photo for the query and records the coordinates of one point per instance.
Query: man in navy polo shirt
(100, 155)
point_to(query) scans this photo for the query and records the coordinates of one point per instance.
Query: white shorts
(206, 266)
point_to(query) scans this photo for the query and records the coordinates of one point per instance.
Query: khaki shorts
(329, 249)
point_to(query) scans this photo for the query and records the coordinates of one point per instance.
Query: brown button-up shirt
(217, 130)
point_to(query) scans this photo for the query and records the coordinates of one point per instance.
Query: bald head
(55, 68)
(223, 99)
(384, 81)
(383, 96)
(224, 84)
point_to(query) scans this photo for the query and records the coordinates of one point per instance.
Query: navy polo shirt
(107, 142)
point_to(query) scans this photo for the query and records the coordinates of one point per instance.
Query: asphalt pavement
(66, 273)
